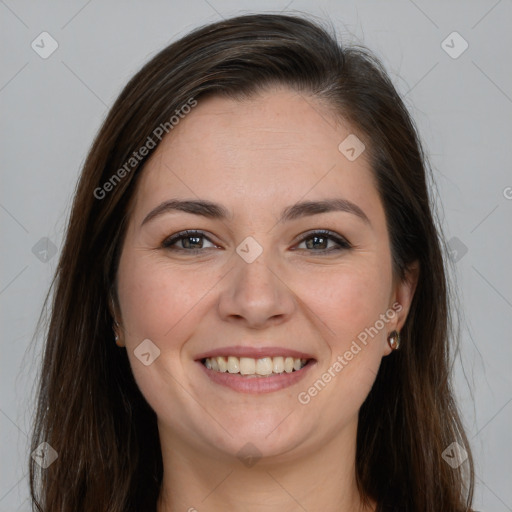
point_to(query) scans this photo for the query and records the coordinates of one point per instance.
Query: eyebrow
(216, 211)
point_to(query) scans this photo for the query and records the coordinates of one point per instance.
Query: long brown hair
(90, 410)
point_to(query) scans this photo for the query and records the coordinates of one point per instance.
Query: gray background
(51, 109)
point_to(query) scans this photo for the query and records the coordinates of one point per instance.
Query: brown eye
(324, 242)
(190, 241)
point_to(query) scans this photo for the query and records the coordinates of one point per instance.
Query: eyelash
(343, 244)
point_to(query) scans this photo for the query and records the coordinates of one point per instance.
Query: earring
(394, 340)
(116, 336)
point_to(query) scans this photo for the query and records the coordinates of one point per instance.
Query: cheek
(348, 299)
(156, 298)
(350, 302)
(160, 303)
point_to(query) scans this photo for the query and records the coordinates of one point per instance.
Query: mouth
(252, 367)
(255, 370)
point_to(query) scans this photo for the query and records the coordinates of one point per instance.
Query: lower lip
(250, 384)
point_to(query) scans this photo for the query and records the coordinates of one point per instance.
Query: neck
(319, 479)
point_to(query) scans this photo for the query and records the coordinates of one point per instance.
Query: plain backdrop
(460, 98)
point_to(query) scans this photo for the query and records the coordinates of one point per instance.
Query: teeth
(265, 366)
(278, 364)
(223, 364)
(249, 366)
(233, 364)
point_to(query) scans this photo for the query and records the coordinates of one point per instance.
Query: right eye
(190, 241)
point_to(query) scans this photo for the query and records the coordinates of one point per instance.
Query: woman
(253, 229)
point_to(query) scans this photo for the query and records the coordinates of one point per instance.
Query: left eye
(319, 242)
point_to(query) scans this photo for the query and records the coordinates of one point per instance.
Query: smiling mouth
(250, 367)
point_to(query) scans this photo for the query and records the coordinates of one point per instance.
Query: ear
(401, 299)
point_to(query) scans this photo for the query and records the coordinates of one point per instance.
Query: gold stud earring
(394, 340)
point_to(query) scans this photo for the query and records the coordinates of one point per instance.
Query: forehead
(277, 147)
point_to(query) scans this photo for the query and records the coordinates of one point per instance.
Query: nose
(256, 295)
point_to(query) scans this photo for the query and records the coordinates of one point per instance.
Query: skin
(256, 157)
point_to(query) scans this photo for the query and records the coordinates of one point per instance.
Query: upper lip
(254, 352)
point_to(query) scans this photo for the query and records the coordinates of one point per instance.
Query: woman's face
(258, 284)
